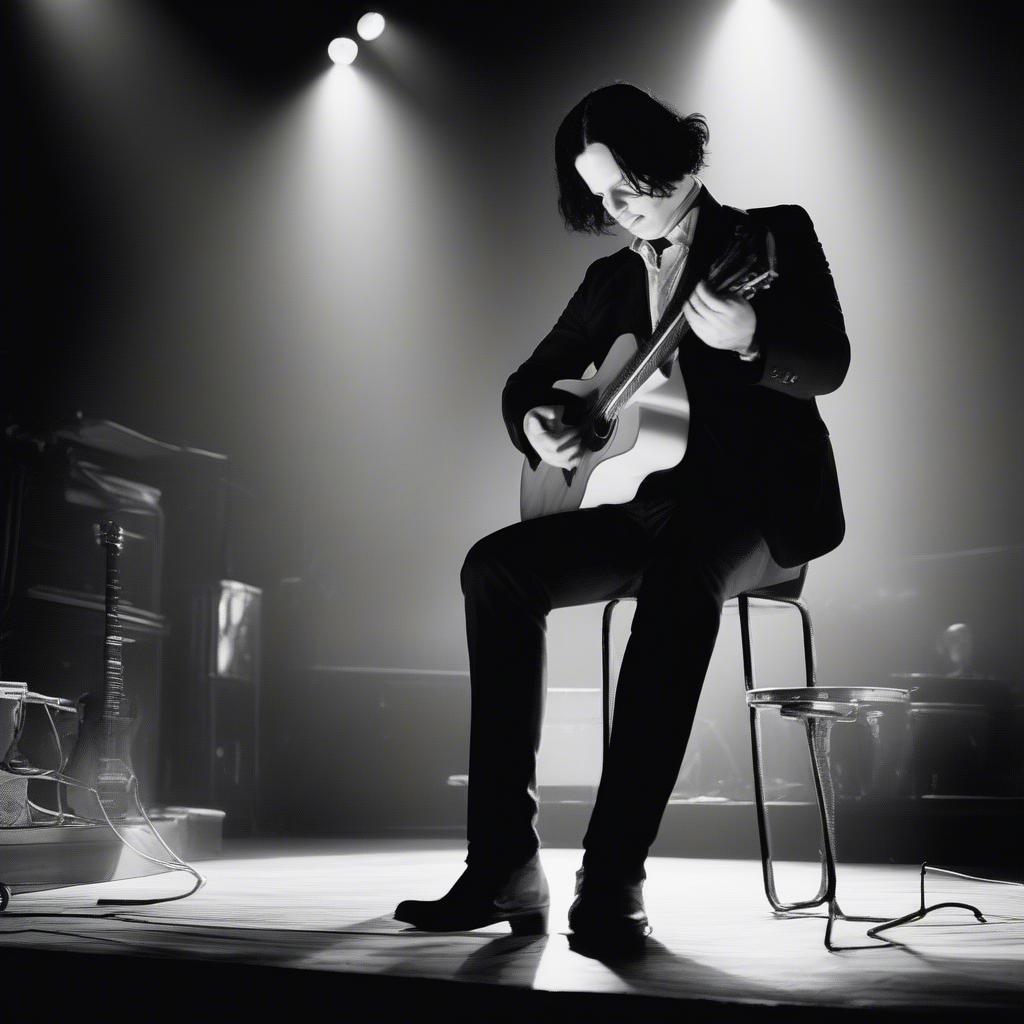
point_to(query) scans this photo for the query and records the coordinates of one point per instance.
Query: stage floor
(325, 907)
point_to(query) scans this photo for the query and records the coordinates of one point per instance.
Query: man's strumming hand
(558, 445)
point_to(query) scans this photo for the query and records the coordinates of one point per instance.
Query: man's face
(643, 216)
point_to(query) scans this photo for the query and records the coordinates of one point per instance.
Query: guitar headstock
(747, 266)
(110, 534)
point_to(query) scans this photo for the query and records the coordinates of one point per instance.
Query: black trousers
(683, 548)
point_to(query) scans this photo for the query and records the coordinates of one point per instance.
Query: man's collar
(681, 233)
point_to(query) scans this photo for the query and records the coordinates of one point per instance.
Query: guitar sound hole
(599, 435)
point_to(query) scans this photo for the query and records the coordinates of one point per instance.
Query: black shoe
(608, 912)
(484, 896)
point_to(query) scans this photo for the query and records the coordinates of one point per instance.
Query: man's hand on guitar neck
(724, 322)
(556, 444)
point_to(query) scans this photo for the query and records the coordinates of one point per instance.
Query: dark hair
(653, 145)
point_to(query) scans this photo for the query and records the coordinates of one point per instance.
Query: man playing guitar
(755, 497)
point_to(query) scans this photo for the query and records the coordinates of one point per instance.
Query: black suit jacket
(758, 419)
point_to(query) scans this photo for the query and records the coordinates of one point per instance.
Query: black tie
(660, 245)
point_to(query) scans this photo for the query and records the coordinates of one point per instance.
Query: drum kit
(954, 738)
(958, 737)
(964, 735)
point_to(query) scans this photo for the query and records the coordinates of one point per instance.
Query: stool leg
(606, 675)
(743, 603)
(767, 868)
(819, 733)
(810, 658)
(810, 661)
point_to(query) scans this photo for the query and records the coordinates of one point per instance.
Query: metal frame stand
(818, 723)
(819, 731)
(923, 910)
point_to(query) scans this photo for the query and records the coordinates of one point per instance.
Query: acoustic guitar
(633, 419)
(102, 755)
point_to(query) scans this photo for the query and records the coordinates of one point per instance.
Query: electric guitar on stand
(102, 756)
(100, 768)
(634, 420)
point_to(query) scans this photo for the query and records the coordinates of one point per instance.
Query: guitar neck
(730, 276)
(639, 369)
(113, 669)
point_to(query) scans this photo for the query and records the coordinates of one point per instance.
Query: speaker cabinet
(212, 710)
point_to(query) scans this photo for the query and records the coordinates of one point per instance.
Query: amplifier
(212, 711)
(60, 507)
(355, 750)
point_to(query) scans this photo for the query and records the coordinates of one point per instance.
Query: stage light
(342, 50)
(370, 25)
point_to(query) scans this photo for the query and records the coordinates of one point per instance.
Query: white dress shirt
(663, 275)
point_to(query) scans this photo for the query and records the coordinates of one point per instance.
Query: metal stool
(783, 593)
(786, 592)
(819, 708)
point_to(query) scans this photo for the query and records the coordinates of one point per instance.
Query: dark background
(217, 239)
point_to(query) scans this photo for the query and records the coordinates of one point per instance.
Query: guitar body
(632, 419)
(102, 759)
(647, 435)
